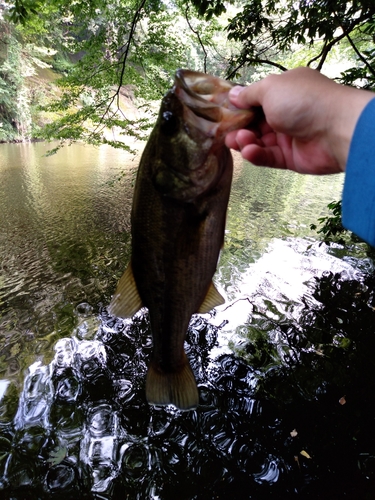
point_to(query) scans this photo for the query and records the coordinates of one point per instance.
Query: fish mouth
(207, 99)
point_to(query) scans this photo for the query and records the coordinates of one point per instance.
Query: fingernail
(234, 91)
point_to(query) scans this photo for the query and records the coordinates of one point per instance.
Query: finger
(230, 140)
(264, 156)
(246, 97)
(240, 138)
(245, 137)
(264, 128)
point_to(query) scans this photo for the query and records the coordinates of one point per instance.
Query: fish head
(195, 116)
(207, 105)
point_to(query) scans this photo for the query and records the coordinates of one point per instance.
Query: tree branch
(256, 61)
(345, 33)
(363, 59)
(325, 51)
(199, 39)
(124, 57)
(126, 53)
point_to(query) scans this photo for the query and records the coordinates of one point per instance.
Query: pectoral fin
(126, 300)
(212, 299)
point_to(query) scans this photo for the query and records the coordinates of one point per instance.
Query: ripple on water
(81, 428)
(270, 472)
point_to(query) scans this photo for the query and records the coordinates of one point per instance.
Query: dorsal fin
(126, 300)
(212, 299)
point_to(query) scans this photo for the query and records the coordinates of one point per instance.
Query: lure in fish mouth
(177, 225)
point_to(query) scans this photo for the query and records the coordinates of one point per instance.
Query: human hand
(308, 121)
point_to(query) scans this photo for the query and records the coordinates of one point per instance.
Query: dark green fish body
(178, 222)
(182, 246)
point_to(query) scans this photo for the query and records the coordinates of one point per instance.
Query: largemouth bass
(177, 226)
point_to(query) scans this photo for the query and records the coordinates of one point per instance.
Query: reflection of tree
(267, 204)
(84, 430)
(320, 373)
(63, 241)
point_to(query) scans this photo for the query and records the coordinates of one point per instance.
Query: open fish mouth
(206, 89)
(207, 98)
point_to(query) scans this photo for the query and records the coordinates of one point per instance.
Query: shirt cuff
(358, 201)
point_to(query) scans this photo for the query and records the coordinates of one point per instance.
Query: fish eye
(169, 123)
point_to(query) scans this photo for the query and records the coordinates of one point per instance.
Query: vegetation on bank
(332, 231)
(70, 70)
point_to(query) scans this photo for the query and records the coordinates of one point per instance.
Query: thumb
(245, 97)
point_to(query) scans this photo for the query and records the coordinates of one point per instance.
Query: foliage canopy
(108, 50)
(269, 29)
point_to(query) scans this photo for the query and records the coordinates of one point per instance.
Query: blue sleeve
(358, 201)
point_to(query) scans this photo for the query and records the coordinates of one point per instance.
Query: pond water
(285, 367)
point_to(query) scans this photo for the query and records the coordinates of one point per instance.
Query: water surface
(272, 364)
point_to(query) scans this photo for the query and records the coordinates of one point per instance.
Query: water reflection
(285, 368)
(271, 431)
(115, 441)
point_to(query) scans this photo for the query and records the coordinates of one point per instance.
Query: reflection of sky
(3, 387)
(281, 275)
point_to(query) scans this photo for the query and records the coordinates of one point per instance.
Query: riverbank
(31, 119)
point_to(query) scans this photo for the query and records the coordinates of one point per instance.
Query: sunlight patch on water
(276, 281)
(73, 416)
(3, 387)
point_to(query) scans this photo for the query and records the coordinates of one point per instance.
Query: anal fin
(126, 300)
(176, 388)
(212, 299)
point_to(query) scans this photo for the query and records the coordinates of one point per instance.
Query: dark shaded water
(285, 368)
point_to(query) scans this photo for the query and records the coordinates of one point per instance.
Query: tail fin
(176, 388)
